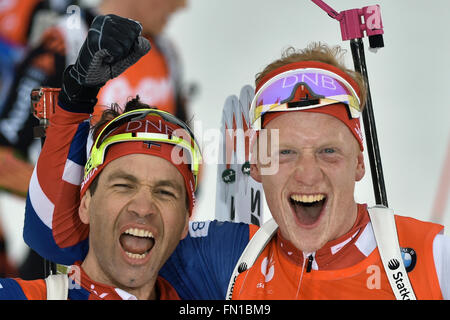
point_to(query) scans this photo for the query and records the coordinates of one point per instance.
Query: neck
(335, 254)
(95, 274)
(349, 223)
(142, 293)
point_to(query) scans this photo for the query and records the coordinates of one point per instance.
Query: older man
(157, 77)
(138, 188)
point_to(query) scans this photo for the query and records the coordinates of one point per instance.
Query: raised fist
(112, 45)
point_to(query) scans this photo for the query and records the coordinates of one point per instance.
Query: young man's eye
(286, 152)
(330, 154)
(328, 150)
(285, 155)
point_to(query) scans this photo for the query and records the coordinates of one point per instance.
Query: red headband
(162, 150)
(339, 110)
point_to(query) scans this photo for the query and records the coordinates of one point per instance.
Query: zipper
(310, 261)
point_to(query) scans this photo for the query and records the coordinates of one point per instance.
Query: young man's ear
(255, 172)
(83, 209)
(360, 167)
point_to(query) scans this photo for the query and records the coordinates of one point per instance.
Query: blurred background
(223, 44)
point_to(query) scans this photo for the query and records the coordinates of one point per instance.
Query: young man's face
(137, 216)
(311, 194)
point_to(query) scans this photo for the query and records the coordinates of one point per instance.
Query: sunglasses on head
(108, 136)
(302, 89)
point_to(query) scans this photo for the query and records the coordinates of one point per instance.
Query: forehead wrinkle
(120, 174)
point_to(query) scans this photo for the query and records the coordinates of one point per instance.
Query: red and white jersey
(349, 267)
(80, 287)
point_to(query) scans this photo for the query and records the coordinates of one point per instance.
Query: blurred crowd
(38, 40)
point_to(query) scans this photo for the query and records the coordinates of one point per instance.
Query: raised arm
(52, 226)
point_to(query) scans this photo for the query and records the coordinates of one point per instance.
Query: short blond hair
(320, 52)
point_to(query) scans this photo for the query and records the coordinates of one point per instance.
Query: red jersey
(81, 287)
(346, 268)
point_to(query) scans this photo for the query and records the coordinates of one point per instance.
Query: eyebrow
(159, 183)
(122, 175)
(169, 183)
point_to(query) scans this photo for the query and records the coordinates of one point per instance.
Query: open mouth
(136, 242)
(307, 208)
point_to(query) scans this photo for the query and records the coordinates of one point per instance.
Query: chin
(308, 245)
(306, 240)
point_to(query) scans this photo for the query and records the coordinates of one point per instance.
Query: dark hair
(115, 110)
(109, 114)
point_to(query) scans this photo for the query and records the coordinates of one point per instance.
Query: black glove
(112, 45)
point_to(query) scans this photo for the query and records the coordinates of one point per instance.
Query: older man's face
(137, 216)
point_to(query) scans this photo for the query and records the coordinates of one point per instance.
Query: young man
(139, 182)
(323, 245)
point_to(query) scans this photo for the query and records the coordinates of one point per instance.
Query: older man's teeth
(136, 255)
(140, 245)
(307, 198)
(139, 233)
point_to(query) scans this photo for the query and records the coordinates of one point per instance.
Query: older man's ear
(83, 209)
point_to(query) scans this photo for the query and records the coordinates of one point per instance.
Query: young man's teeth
(139, 233)
(136, 255)
(307, 198)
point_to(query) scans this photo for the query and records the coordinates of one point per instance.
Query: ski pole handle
(353, 23)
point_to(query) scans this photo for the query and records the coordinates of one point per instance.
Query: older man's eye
(166, 193)
(122, 185)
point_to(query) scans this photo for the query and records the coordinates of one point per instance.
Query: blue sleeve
(202, 264)
(53, 195)
(11, 290)
(40, 238)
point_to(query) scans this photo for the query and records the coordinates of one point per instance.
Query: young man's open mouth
(307, 208)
